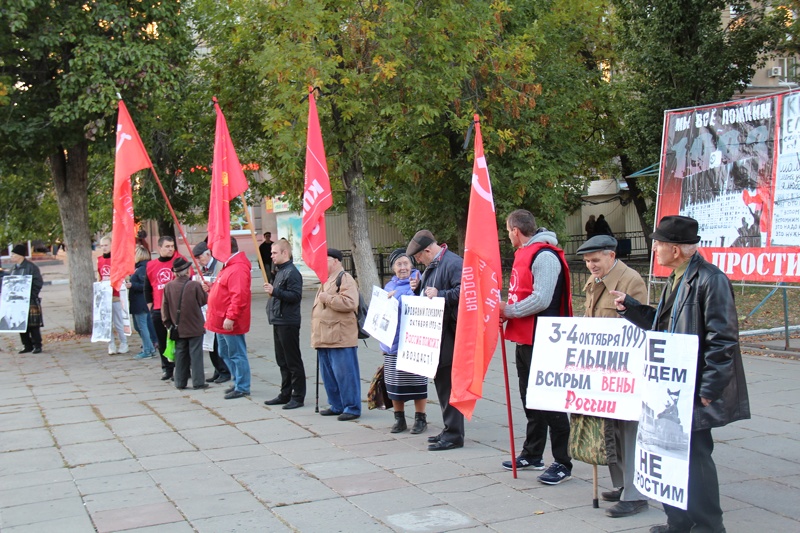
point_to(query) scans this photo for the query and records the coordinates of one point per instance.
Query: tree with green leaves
(678, 53)
(62, 65)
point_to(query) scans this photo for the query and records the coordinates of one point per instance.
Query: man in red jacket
(228, 316)
(159, 273)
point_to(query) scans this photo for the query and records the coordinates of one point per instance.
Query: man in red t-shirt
(159, 273)
(104, 274)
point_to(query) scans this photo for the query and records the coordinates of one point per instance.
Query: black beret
(336, 254)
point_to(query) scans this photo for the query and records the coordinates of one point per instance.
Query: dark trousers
(451, 417)
(31, 338)
(703, 513)
(189, 359)
(539, 421)
(290, 361)
(161, 335)
(216, 361)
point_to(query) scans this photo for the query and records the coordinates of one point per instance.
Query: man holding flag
(229, 301)
(442, 278)
(539, 286)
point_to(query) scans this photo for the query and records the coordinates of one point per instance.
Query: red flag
(227, 182)
(130, 157)
(317, 197)
(479, 303)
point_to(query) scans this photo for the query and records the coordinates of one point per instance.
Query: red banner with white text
(735, 168)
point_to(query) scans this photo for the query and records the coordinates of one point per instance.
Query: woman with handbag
(403, 386)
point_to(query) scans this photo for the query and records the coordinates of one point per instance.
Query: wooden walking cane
(595, 501)
(316, 404)
(508, 404)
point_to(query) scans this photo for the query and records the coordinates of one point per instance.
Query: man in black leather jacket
(698, 300)
(283, 312)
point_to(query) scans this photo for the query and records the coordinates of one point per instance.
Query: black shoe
(420, 423)
(435, 438)
(442, 445)
(201, 387)
(344, 417)
(524, 462)
(329, 412)
(623, 509)
(213, 378)
(236, 394)
(293, 404)
(612, 495)
(180, 388)
(166, 376)
(26, 350)
(399, 422)
(223, 379)
(277, 400)
(230, 389)
(37, 350)
(665, 528)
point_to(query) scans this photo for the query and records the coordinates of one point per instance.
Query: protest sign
(101, 312)
(588, 366)
(381, 322)
(420, 335)
(15, 303)
(662, 444)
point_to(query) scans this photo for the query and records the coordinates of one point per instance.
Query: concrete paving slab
(365, 483)
(383, 504)
(70, 524)
(431, 519)
(25, 439)
(278, 429)
(754, 519)
(231, 503)
(124, 499)
(39, 477)
(82, 432)
(135, 426)
(21, 418)
(209, 438)
(199, 418)
(38, 493)
(308, 450)
(285, 486)
(267, 461)
(230, 453)
(19, 462)
(117, 482)
(347, 467)
(766, 494)
(545, 523)
(94, 452)
(158, 444)
(252, 522)
(139, 516)
(123, 409)
(69, 415)
(341, 516)
(111, 468)
(44, 511)
(170, 460)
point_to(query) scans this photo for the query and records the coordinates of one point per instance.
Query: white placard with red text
(590, 366)
(420, 335)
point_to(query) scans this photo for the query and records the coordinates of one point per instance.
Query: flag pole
(253, 235)
(175, 219)
(508, 404)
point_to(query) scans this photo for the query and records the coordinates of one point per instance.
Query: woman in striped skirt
(403, 386)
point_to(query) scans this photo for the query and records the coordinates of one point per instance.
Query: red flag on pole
(130, 157)
(479, 303)
(227, 182)
(317, 197)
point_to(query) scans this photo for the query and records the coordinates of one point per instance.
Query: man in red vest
(159, 273)
(539, 286)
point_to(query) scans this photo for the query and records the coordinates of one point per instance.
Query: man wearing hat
(697, 299)
(211, 267)
(228, 316)
(610, 274)
(539, 286)
(442, 279)
(32, 336)
(334, 334)
(283, 312)
(182, 307)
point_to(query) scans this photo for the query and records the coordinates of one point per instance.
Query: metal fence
(579, 274)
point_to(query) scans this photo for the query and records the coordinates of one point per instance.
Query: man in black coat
(442, 278)
(265, 251)
(31, 337)
(698, 299)
(283, 312)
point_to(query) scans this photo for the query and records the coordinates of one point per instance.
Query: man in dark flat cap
(611, 274)
(698, 299)
(211, 268)
(334, 334)
(442, 279)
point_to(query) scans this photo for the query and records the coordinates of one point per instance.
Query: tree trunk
(358, 229)
(70, 172)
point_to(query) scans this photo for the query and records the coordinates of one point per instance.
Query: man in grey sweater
(539, 286)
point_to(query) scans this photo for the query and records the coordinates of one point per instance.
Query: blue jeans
(233, 351)
(342, 378)
(140, 322)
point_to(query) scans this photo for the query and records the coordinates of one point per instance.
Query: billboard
(735, 168)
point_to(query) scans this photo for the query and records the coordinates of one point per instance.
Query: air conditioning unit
(775, 72)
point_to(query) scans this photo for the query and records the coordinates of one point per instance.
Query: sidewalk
(92, 442)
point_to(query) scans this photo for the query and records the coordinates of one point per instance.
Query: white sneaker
(112, 348)
(123, 348)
